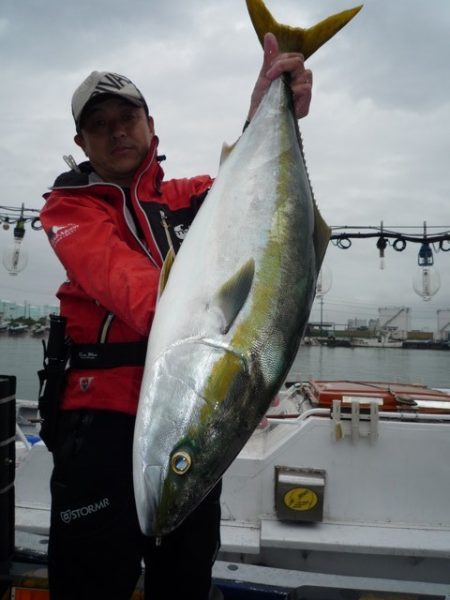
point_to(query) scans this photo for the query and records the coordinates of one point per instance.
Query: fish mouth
(147, 509)
(159, 514)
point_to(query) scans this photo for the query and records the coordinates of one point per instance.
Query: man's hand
(275, 64)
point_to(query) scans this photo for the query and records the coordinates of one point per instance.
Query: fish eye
(181, 462)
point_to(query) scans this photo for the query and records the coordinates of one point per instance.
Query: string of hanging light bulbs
(426, 281)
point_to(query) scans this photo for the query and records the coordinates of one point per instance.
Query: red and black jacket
(113, 262)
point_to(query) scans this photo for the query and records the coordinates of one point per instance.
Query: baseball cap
(104, 82)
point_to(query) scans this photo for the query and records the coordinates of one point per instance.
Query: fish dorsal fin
(297, 39)
(165, 271)
(321, 237)
(231, 297)
(227, 149)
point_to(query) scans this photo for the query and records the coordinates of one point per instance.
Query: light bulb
(15, 257)
(381, 245)
(426, 282)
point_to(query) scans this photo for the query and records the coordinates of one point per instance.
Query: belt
(108, 355)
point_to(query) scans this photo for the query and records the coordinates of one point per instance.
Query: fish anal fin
(297, 39)
(231, 297)
(165, 271)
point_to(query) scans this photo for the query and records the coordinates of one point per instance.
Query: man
(111, 221)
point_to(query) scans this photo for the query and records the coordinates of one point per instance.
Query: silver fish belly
(229, 320)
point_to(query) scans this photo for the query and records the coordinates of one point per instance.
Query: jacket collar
(84, 174)
(150, 169)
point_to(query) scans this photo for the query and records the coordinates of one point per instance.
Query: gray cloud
(376, 140)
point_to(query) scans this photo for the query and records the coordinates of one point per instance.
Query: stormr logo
(59, 232)
(77, 513)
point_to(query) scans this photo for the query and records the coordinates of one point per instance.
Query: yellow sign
(300, 499)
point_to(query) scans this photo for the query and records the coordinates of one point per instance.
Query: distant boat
(38, 330)
(383, 340)
(4, 326)
(17, 329)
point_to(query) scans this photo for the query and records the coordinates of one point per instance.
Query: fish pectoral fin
(297, 39)
(165, 271)
(231, 297)
(321, 237)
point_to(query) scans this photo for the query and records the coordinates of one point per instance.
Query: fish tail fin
(297, 39)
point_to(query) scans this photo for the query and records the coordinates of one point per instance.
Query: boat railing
(326, 412)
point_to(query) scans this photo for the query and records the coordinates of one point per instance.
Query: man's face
(115, 135)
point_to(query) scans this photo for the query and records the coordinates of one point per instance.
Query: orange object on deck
(398, 397)
(29, 594)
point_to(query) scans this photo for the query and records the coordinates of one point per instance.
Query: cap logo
(111, 83)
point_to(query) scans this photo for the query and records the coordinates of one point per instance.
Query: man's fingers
(287, 63)
(271, 50)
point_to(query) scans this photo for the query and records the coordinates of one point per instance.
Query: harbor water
(22, 356)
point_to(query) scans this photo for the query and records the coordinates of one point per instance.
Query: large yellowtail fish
(234, 307)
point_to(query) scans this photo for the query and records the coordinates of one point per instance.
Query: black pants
(96, 547)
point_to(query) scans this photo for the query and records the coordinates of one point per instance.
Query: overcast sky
(377, 140)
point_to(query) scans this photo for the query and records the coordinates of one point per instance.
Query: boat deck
(383, 523)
